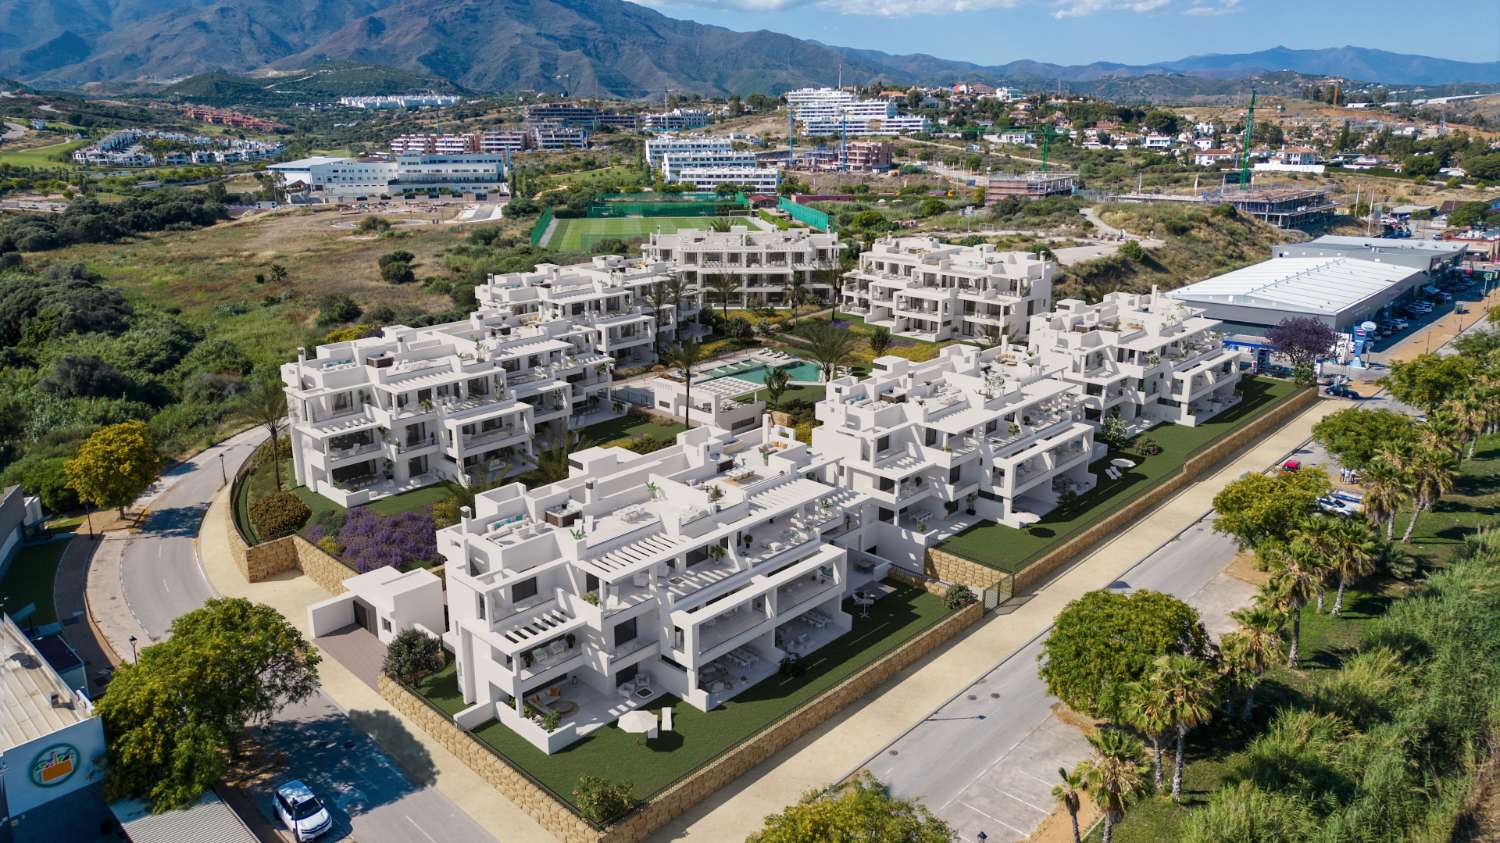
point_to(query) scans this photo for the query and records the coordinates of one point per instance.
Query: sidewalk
(83, 635)
(838, 748)
(290, 595)
(105, 594)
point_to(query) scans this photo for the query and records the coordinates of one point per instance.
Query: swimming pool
(756, 372)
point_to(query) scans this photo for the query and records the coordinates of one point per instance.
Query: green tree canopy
(173, 717)
(1429, 379)
(1258, 509)
(1104, 640)
(114, 465)
(1355, 436)
(862, 811)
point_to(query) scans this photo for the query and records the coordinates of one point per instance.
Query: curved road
(372, 799)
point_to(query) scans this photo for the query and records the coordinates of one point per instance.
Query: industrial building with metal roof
(1339, 290)
(1429, 255)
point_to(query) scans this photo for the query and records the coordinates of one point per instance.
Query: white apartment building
(751, 179)
(763, 263)
(687, 145)
(970, 434)
(689, 571)
(676, 120)
(922, 288)
(608, 299)
(829, 111)
(401, 101)
(1146, 358)
(345, 179)
(469, 401)
(674, 163)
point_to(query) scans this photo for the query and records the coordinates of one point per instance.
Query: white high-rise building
(828, 111)
(1145, 358)
(922, 288)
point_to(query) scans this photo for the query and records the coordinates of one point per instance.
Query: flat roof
(1407, 244)
(1327, 286)
(304, 163)
(28, 685)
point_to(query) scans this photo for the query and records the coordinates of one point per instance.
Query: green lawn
(1474, 501)
(795, 394)
(42, 156)
(621, 430)
(581, 235)
(29, 581)
(698, 736)
(1011, 550)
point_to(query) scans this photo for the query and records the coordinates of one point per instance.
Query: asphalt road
(373, 800)
(987, 760)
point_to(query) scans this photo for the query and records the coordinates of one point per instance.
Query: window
(887, 484)
(954, 473)
(888, 516)
(882, 443)
(479, 598)
(523, 590)
(385, 624)
(625, 632)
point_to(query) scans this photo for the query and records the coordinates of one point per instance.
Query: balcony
(352, 451)
(416, 444)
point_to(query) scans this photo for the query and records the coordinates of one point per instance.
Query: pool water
(801, 371)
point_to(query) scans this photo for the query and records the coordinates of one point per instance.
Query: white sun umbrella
(640, 722)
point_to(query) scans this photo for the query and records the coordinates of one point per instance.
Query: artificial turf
(582, 234)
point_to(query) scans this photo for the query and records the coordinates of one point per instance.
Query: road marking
(990, 816)
(166, 587)
(429, 836)
(1044, 811)
(1039, 779)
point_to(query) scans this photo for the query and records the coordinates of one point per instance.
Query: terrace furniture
(558, 647)
(666, 718)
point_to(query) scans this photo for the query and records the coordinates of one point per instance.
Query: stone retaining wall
(1195, 466)
(560, 820)
(956, 569)
(290, 553)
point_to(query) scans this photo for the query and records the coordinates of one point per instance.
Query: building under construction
(1283, 207)
(1034, 185)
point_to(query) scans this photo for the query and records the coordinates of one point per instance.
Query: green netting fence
(539, 230)
(803, 214)
(679, 205)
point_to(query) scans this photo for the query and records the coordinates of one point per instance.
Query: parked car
(1401, 324)
(1334, 506)
(1291, 465)
(1340, 390)
(301, 812)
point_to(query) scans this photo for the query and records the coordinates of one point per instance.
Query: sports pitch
(580, 235)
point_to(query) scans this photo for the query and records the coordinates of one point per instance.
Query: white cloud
(1223, 7)
(1083, 8)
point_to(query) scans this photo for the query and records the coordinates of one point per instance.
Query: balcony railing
(416, 444)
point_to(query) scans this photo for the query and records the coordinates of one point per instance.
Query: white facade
(689, 571)
(609, 300)
(676, 120)
(689, 145)
(1145, 358)
(342, 179)
(829, 111)
(400, 101)
(921, 288)
(384, 602)
(753, 179)
(468, 401)
(763, 263)
(674, 163)
(982, 431)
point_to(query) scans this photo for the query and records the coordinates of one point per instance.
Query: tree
(1354, 436)
(684, 356)
(413, 655)
(1114, 432)
(1146, 712)
(83, 376)
(1259, 509)
(114, 466)
(723, 286)
(278, 514)
(1386, 491)
(1249, 649)
(1184, 688)
(880, 340)
(861, 810)
(657, 296)
(1431, 476)
(1068, 794)
(337, 308)
(776, 384)
(174, 717)
(1302, 339)
(1471, 413)
(395, 267)
(828, 346)
(265, 405)
(552, 464)
(1296, 577)
(278, 273)
(1428, 380)
(1349, 547)
(1104, 640)
(1115, 775)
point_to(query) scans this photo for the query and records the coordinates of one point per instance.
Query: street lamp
(132, 648)
(222, 473)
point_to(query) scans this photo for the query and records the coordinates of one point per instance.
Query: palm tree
(723, 286)
(1432, 477)
(1295, 578)
(796, 292)
(828, 346)
(677, 287)
(684, 356)
(1385, 493)
(776, 384)
(1470, 413)
(831, 277)
(1068, 795)
(1115, 776)
(552, 464)
(1317, 538)
(1146, 712)
(880, 340)
(720, 224)
(1354, 550)
(1186, 689)
(1441, 433)
(657, 296)
(1250, 649)
(265, 404)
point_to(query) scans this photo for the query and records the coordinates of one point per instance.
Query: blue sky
(1129, 31)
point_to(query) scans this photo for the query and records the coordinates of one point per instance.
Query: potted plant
(715, 494)
(969, 499)
(716, 552)
(921, 526)
(591, 598)
(651, 489)
(551, 721)
(1014, 428)
(577, 534)
(526, 659)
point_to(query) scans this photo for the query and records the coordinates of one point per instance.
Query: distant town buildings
(401, 101)
(225, 117)
(676, 120)
(152, 147)
(333, 179)
(709, 162)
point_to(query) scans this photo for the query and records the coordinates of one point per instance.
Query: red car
(1291, 465)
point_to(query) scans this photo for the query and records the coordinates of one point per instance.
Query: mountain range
(586, 47)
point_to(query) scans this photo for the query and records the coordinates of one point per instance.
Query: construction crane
(1046, 144)
(1245, 145)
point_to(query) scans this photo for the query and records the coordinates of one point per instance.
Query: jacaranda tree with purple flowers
(371, 540)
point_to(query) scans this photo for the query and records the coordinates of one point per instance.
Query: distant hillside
(325, 81)
(603, 47)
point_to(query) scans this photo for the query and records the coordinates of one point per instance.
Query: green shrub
(445, 513)
(1247, 814)
(278, 515)
(601, 800)
(958, 597)
(412, 655)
